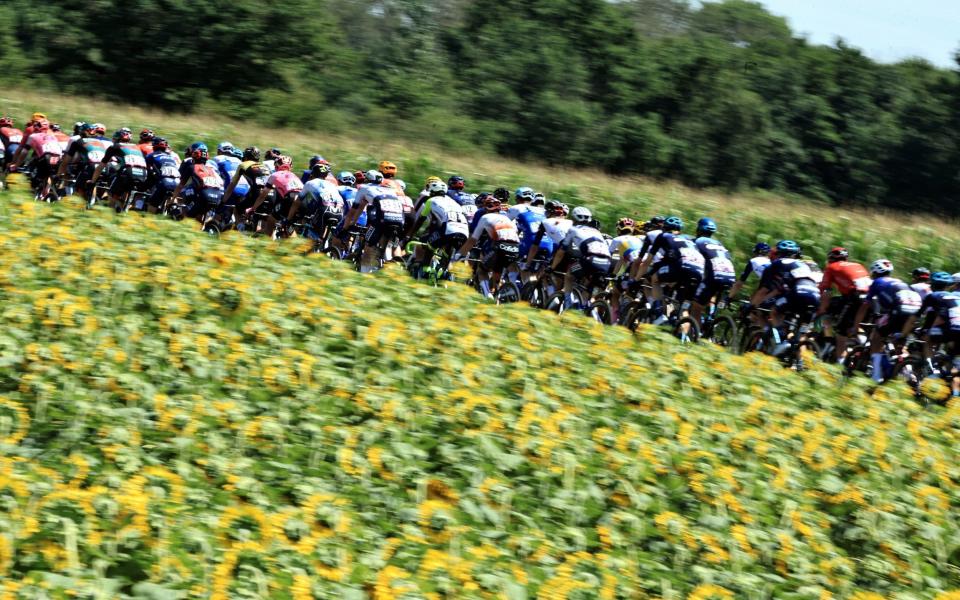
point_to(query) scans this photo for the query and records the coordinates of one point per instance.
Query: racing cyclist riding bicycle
(584, 251)
(719, 274)
(681, 266)
(447, 228)
(385, 221)
(852, 281)
(789, 283)
(501, 246)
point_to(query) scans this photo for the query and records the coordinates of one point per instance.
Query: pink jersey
(285, 182)
(43, 143)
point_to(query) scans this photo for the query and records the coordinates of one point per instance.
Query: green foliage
(721, 94)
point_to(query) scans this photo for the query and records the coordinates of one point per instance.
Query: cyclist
(894, 304)
(10, 140)
(447, 228)
(653, 230)
(385, 221)
(500, 242)
(200, 185)
(625, 249)
(163, 174)
(270, 156)
(61, 136)
(522, 198)
(941, 327)
(146, 141)
(456, 189)
(755, 266)
(227, 166)
(89, 149)
(921, 281)
(681, 265)
(719, 274)
(321, 204)
(132, 167)
(46, 152)
(852, 281)
(529, 224)
(250, 173)
(287, 186)
(584, 250)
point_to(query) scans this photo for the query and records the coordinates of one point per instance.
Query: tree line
(721, 94)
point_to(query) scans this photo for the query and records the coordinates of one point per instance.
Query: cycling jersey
(63, 139)
(461, 197)
(848, 277)
(626, 247)
(890, 295)
(199, 177)
(921, 288)
(44, 143)
(255, 174)
(648, 242)
(133, 167)
(577, 235)
(556, 228)
(383, 205)
(146, 148)
(285, 182)
(719, 263)
(447, 221)
(498, 227)
(518, 209)
(320, 198)
(11, 138)
(90, 150)
(164, 175)
(349, 195)
(678, 251)
(789, 276)
(227, 166)
(757, 264)
(944, 305)
(529, 223)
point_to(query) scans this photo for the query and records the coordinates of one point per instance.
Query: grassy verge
(910, 240)
(189, 417)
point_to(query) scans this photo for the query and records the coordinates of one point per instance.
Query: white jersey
(759, 264)
(442, 209)
(498, 226)
(321, 190)
(581, 233)
(921, 288)
(556, 228)
(652, 236)
(518, 209)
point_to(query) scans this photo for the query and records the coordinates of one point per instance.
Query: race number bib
(802, 271)
(692, 256)
(391, 205)
(456, 228)
(909, 302)
(505, 232)
(211, 181)
(15, 139)
(134, 160)
(95, 156)
(953, 315)
(170, 172)
(597, 247)
(51, 147)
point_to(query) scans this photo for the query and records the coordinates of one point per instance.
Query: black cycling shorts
(708, 290)
(501, 256)
(843, 310)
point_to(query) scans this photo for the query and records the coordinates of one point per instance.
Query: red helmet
(837, 254)
(160, 144)
(492, 203)
(146, 135)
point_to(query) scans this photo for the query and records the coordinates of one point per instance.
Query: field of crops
(909, 240)
(185, 417)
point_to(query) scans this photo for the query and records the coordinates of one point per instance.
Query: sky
(886, 30)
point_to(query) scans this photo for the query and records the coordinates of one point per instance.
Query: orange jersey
(847, 277)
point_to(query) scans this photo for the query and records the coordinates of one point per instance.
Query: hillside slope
(908, 239)
(183, 416)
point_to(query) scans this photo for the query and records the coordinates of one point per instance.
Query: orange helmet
(388, 169)
(283, 163)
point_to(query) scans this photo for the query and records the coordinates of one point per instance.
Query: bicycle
(437, 270)
(796, 336)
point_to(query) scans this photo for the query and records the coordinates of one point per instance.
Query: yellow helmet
(388, 168)
(429, 179)
(37, 116)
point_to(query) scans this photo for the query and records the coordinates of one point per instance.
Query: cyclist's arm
(231, 186)
(354, 214)
(260, 198)
(857, 320)
(535, 246)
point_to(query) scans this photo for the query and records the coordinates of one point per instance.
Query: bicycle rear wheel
(687, 330)
(600, 312)
(507, 293)
(724, 332)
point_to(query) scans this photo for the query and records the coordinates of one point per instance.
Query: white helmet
(581, 215)
(956, 278)
(373, 176)
(437, 187)
(401, 183)
(881, 267)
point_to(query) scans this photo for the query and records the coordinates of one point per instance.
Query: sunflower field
(188, 417)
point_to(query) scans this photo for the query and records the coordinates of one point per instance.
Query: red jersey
(847, 277)
(146, 147)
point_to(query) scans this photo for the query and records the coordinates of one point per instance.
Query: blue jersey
(946, 306)
(679, 252)
(889, 294)
(719, 262)
(227, 166)
(349, 195)
(529, 224)
(790, 276)
(461, 197)
(163, 169)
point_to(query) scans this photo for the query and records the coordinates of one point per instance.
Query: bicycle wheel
(507, 293)
(803, 354)
(528, 291)
(687, 330)
(600, 312)
(554, 303)
(724, 332)
(636, 313)
(753, 341)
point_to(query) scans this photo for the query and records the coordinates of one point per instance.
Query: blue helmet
(706, 226)
(198, 146)
(225, 148)
(316, 159)
(940, 280)
(523, 193)
(761, 248)
(346, 178)
(673, 224)
(787, 248)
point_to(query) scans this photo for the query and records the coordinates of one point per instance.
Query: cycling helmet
(706, 226)
(237, 153)
(761, 249)
(582, 215)
(941, 280)
(657, 222)
(55, 127)
(283, 163)
(787, 248)
(346, 178)
(87, 129)
(625, 224)
(360, 176)
(552, 207)
(437, 188)
(273, 153)
(373, 176)
(122, 135)
(921, 273)
(146, 135)
(99, 128)
(38, 116)
(315, 160)
(199, 151)
(837, 254)
(501, 194)
(492, 204)
(388, 169)
(225, 148)
(523, 194)
(881, 267)
(672, 224)
(456, 183)
(479, 199)
(251, 153)
(78, 128)
(539, 196)
(6, 122)
(321, 170)
(160, 144)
